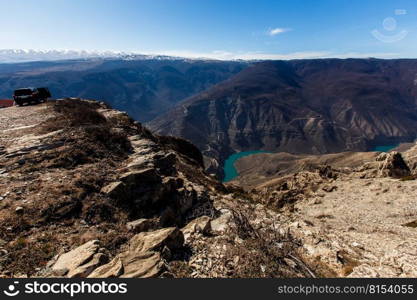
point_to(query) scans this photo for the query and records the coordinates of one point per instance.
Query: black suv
(31, 95)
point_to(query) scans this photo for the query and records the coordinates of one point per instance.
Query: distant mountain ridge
(143, 86)
(301, 106)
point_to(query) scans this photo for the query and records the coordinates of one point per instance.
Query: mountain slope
(302, 106)
(143, 87)
(88, 192)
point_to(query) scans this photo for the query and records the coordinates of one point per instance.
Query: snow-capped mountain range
(29, 55)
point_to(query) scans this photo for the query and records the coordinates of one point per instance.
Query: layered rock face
(302, 107)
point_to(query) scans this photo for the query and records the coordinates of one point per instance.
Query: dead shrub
(263, 253)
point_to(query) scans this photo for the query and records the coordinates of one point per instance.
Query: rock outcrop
(81, 261)
(143, 257)
(393, 165)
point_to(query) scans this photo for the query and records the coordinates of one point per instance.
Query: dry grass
(408, 178)
(62, 186)
(88, 135)
(25, 255)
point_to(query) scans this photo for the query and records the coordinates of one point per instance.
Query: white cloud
(276, 31)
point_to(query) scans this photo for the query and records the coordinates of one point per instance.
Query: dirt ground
(363, 228)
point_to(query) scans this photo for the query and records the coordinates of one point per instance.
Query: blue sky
(212, 28)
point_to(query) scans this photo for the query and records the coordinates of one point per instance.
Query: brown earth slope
(260, 168)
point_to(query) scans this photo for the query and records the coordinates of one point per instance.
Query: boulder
(155, 240)
(142, 176)
(140, 162)
(85, 269)
(131, 265)
(393, 165)
(114, 189)
(140, 225)
(69, 262)
(141, 265)
(110, 270)
(199, 225)
(139, 141)
(166, 163)
(222, 223)
(142, 259)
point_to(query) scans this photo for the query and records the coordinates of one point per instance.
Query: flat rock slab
(110, 270)
(85, 269)
(142, 176)
(73, 259)
(140, 225)
(143, 258)
(150, 241)
(222, 223)
(199, 225)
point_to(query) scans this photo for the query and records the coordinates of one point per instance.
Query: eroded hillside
(301, 107)
(86, 191)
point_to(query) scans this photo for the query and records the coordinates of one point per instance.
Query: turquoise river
(231, 173)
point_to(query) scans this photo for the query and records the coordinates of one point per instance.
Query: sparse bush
(263, 253)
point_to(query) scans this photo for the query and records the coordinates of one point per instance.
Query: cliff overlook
(87, 191)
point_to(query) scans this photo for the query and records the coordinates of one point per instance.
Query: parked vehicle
(31, 95)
